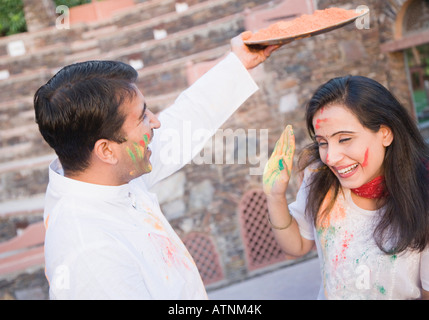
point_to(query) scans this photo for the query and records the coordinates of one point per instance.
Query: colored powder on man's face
(139, 150)
(131, 154)
(304, 24)
(145, 140)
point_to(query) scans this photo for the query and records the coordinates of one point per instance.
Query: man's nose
(154, 121)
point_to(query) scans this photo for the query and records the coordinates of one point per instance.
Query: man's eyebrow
(336, 133)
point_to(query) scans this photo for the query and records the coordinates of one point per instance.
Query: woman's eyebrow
(334, 134)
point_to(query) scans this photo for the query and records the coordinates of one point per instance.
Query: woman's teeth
(348, 169)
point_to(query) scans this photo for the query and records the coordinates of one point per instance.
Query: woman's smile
(346, 171)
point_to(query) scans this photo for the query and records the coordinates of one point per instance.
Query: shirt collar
(63, 185)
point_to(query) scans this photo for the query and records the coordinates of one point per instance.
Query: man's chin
(134, 174)
(149, 168)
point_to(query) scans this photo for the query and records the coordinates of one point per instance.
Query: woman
(364, 200)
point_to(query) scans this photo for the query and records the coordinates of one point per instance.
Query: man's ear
(105, 151)
(387, 135)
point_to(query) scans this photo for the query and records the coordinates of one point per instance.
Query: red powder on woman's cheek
(365, 160)
(304, 24)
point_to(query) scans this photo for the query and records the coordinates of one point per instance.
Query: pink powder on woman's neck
(304, 24)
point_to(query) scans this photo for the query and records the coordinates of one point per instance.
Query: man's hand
(278, 168)
(250, 57)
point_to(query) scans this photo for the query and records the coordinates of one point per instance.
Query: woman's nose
(333, 156)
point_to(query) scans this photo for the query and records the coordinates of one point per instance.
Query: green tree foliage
(12, 18)
(71, 3)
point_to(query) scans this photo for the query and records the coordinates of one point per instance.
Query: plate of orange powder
(305, 26)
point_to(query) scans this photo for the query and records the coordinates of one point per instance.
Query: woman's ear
(104, 151)
(387, 135)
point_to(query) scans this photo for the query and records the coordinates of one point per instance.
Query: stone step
(24, 149)
(204, 12)
(151, 9)
(19, 110)
(81, 31)
(20, 137)
(23, 206)
(24, 84)
(18, 170)
(23, 252)
(161, 84)
(153, 80)
(161, 26)
(175, 46)
(16, 112)
(42, 38)
(53, 35)
(22, 179)
(47, 57)
(93, 39)
(191, 41)
(97, 32)
(19, 134)
(27, 163)
(50, 56)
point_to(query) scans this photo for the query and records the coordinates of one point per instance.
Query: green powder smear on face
(131, 154)
(146, 138)
(138, 150)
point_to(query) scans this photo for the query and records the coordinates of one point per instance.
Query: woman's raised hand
(279, 167)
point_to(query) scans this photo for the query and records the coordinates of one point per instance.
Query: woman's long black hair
(404, 220)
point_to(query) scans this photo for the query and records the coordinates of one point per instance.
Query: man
(106, 237)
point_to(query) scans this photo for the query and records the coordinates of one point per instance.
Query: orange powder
(304, 24)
